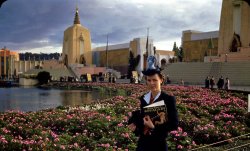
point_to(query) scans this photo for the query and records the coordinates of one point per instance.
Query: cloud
(30, 25)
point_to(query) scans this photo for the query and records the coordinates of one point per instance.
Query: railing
(233, 146)
(73, 73)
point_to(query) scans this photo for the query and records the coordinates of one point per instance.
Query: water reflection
(33, 99)
(76, 97)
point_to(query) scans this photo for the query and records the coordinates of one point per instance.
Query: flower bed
(205, 117)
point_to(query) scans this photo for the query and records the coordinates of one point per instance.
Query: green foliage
(43, 77)
(175, 49)
(178, 52)
(133, 63)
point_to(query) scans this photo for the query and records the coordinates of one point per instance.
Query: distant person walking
(212, 82)
(220, 83)
(182, 82)
(168, 80)
(207, 82)
(227, 84)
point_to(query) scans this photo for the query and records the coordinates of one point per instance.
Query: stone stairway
(195, 73)
(114, 72)
(215, 70)
(191, 73)
(72, 72)
(237, 72)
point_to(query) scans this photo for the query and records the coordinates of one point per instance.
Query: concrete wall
(27, 82)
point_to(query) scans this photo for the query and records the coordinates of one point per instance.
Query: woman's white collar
(148, 95)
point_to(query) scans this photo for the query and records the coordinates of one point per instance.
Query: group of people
(221, 83)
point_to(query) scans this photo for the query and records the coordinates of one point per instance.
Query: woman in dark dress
(152, 136)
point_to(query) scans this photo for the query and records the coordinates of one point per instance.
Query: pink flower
(53, 134)
(130, 114)
(126, 135)
(2, 139)
(193, 142)
(108, 118)
(179, 147)
(107, 145)
(179, 129)
(69, 117)
(173, 132)
(120, 125)
(184, 134)
(62, 147)
(75, 144)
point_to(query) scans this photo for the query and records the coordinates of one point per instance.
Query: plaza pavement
(240, 88)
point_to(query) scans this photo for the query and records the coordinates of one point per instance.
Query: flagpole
(147, 52)
(107, 51)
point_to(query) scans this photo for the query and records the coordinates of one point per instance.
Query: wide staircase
(195, 73)
(237, 72)
(191, 73)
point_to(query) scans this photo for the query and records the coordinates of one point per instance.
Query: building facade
(7, 65)
(196, 47)
(234, 37)
(117, 56)
(77, 44)
(231, 43)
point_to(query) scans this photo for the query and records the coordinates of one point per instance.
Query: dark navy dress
(156, 141)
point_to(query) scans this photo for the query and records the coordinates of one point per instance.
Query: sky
(38, 25)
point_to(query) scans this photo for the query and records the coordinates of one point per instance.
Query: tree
(181, 54)
(133, 63)
(43, 77)
(176, 50)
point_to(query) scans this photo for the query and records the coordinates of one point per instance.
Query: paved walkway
(241, 88)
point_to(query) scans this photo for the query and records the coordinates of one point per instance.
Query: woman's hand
(132, 126)
(148, 122)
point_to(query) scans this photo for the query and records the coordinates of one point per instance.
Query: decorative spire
(77, 19)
